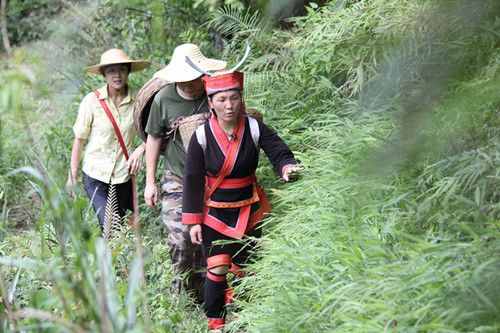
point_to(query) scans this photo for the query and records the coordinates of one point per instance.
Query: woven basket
(143, 102)
(187, 126)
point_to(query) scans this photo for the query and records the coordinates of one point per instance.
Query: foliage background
(391, 106)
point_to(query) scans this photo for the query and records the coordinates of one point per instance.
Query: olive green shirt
(166, 107)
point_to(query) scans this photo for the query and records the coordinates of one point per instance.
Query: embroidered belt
(234, 183)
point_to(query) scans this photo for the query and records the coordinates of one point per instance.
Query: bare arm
(134, 162)
(76, 152)
(153, 145)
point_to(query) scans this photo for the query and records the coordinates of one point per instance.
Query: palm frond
(238, 24)
(112, 220)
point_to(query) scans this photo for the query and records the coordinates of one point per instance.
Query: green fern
(238, 24)
(112, 220)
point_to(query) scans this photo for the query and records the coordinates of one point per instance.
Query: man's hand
(153, 145)
(195, 234)
(151, 195)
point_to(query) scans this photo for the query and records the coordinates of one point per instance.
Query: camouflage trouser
(187, 259)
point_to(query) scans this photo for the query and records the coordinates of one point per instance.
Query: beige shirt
(103, 158)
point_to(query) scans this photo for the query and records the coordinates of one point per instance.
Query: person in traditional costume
(104, 128)
(221, 198)
(181, 98)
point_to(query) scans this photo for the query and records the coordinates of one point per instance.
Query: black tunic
(204, 165)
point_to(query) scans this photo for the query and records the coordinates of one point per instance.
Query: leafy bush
(26, 20)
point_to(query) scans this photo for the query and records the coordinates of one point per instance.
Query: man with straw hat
(183, 97)
(105, 128)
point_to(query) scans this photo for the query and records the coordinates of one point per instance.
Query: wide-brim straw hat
(179, 71)
(117, 56)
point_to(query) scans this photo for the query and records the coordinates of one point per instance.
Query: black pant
(240, 252)
(97, 192)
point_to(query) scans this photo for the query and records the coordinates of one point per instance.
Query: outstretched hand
(291, 172)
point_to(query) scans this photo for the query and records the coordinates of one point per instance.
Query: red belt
(234, 183)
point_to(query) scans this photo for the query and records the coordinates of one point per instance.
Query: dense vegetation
(392, 107)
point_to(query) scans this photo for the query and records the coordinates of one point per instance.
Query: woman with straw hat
(105, 128)
(222, 202)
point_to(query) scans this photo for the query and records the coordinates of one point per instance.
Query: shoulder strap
(254, 131)
(113, 122)
(201, 136)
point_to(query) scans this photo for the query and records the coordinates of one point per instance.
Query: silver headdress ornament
(235, 68)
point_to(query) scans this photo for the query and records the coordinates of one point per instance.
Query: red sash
(230, 149)
(118, 133)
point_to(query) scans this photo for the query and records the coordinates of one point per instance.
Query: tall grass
(394, 226)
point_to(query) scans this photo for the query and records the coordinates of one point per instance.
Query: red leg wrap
(216, 277)
(218, 260)
(215, 323)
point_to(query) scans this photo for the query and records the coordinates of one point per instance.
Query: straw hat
(179, 71)
(117, 56)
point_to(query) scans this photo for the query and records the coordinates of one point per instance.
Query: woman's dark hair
(129, 67)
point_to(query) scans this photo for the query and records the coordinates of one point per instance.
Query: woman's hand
(195, 234)
(134, 162)
(70, 185)
(291, 172)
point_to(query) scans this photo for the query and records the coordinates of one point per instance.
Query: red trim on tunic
(218, 260)
(192, 218)
(232, 154)
(246, 221)
(221, 137)
(216, 278)
(259, 214)
(238, 231)
(219, 140)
